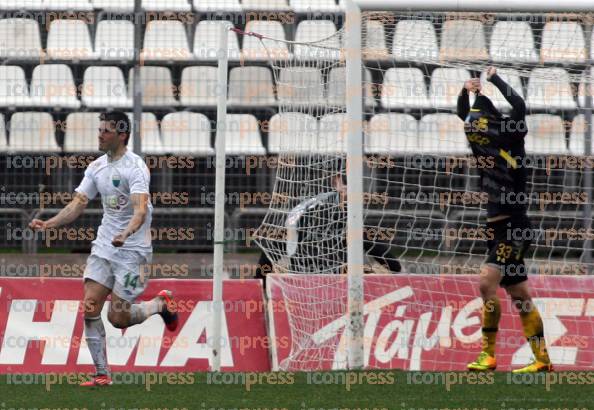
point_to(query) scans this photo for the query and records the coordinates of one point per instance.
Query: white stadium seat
(333, 133)
(563, 42)
(105, 87)
(404, 88)
(513, 42)
(292, 133)
(392, 133)
(582, 90)
(272, 5)
(577, 144)
(251, 87)
(23, 5)
(150, 135)
(114, 5)
(114, 40)
(20, 39)
(509, 76)
(82, 132)
(546, 134)
(337, 91)
(242, 135)
(156, 84)
(301, 86)
(199, 86)
(374, 41)
(83, 5)
(169, 5)
(442, 134)
(70, 40)
(446, 84)
(463, 40)
(166, 41)
(415, 40)
(52, 85)
(186, 133)
(3, 141)
(313, 31)
(254, 49)
(14, 90)
(305, 6)
(206, 41)
(205, 6)
(33, 132)
(549, 88)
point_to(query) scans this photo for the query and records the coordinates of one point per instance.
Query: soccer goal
(375, 170)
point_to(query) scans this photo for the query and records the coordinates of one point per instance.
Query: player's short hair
(121, 122)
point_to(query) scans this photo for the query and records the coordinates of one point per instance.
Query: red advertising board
(424, 322)
(41, 329)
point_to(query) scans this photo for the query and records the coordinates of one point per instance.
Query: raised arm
(516, 101)
(473, 85)
(67, 215)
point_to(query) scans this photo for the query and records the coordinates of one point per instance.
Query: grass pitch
(372, 390)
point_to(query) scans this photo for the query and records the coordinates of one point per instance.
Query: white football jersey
(115, 182)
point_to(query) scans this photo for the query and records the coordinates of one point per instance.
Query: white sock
(139, 312)
(95, 336)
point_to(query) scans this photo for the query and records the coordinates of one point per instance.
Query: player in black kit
(501, 139)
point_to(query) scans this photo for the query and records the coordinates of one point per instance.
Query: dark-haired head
(115, 129)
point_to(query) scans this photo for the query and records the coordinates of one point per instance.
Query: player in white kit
(123, 242)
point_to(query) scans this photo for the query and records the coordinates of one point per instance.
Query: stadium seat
(509, 76)
(442, 134)
(186, 133)
(157, 86)
(205, 6)
(206, 41)
(271, 5)
(242, 135)
(83, 5)
(512, 42)
(14, 90)
(292, 133)
(33, 132)
(3, 141)
(333, 133)
(463, 40)
(337, 88)
(549, 88)
(446, 84)
(563, 42)
(415, 40)
(301, 86)
(20, 39)
(305, 6)
(52, 85)
(199, 87)
(169, 5)
(104, 87)
(374, 41)
(150, 135)
(392, 133)
(404, 88)
(70, 40)
(546, 134)
(166, 41)
(583, 88)
(254, 49)
(82, 132)
(114, 40)
(314, 30)
(23, 5)
(251, 87)
(114, 5)
(577, 145)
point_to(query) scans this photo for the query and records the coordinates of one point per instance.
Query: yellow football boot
(484, 362)
(535, 367)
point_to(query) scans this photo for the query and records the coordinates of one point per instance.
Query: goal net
(423, 209)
